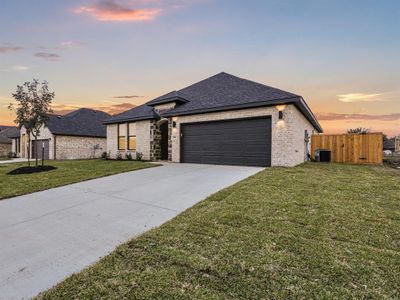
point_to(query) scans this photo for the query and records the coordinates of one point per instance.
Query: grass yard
(315, 231)
(69, 171)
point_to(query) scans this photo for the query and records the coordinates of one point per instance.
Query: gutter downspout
(55, 147)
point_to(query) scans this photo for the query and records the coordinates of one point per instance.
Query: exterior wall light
(174, 124)
(280, 115)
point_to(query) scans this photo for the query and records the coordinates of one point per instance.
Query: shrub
(139, 156)
(106, 155)
(128, 156)
(12, 155)
(119, 156)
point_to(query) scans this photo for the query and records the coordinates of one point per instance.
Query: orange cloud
(110, 10)
(361, 97)
(339, 123)
(335, 116)
(62, 109)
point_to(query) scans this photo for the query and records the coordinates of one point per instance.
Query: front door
(164, 140)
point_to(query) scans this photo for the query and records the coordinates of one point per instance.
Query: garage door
(244, 142)
(40, 144)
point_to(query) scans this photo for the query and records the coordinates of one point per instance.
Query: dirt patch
(31, 170)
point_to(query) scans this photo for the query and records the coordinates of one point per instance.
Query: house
(220, 120)
(6, 139)
(80, 134)
(389, 145)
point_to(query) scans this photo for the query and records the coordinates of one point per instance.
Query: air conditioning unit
(323, 155)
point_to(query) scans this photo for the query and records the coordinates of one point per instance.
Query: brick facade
(5, 149)
(66, 147)
(144, 138)
(288, 145)
(288, 135)
(75, 147)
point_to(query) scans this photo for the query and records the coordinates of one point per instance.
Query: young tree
(358, 130)
(33, 106)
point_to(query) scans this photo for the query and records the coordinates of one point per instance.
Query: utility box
(322, 155)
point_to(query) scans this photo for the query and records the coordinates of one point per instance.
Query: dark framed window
(122, 136)
(131, 136)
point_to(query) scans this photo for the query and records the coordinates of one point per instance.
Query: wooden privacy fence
(350, 148)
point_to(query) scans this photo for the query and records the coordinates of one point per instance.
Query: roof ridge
(258, 83)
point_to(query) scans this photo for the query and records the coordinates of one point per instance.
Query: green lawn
(69, 171)
(315, 231)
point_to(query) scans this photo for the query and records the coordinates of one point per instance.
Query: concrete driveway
(49, 235)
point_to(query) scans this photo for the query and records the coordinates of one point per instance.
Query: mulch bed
(31, 170)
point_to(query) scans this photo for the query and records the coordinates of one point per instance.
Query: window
(132, 136)
(121, 136)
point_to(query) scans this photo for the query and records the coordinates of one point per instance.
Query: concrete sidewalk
(49, 235)
(15, 160)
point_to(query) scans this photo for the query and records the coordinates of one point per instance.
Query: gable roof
(3, 127)
(223, 92)
(142, 112)
(81, 122)
(173, 96)
(6, 134)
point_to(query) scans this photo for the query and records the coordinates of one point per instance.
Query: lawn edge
(150, 165)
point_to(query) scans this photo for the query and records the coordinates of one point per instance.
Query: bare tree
(32, 110)
(358, 130)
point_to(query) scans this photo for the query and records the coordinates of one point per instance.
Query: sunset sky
(343, 57)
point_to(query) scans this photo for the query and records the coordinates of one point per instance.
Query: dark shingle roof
(223, 92)
(3, 127)
(142, 112)
(227, 90)
(167, 98)
(81, 122)
(6, 134)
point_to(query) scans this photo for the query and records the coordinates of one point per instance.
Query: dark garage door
(40, 149)
(245, 142)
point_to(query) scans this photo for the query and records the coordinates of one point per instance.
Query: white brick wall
(288, 147)
(165, 106)
(45, 134)
(75, 147)
(142, 140)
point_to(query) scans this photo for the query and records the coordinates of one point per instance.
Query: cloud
(10, 49)
(48, 56)
(110, 10)
(16, 68)
(361, 97)
(127, 97)
(112, 108)
(19, 68)
(70, 44)
(342, 117)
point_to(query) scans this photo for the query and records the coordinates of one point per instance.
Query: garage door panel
(230, 142)
(39, 149)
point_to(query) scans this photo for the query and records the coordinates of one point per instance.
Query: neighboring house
(80, 134)
(6, 139)
(220, 120)
(389, 145)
